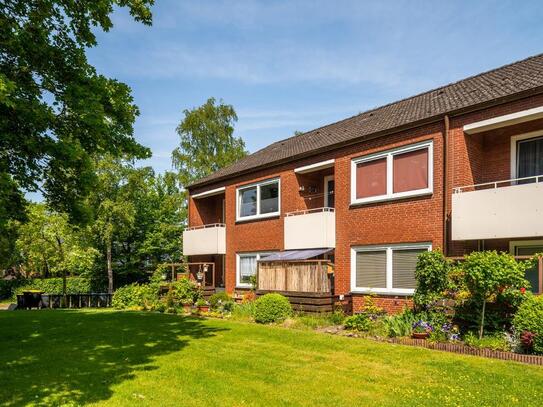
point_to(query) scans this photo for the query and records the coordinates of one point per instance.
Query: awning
(289, 255)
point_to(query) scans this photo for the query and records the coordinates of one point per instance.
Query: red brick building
(455, 168)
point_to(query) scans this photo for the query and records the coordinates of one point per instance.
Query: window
(529, 158)
(385, 269)
(393, 174)
(258, 200)
(529, 248)
(246, 267)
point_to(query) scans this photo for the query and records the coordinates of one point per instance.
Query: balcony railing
(500, 209)
(204, 239)
(310, 229)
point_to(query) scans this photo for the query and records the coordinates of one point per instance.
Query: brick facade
(471, 159)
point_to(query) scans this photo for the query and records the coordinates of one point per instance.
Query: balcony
(309, 229)
(495, 210)
(205, 239)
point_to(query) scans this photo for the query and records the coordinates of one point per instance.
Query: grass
(110, 358)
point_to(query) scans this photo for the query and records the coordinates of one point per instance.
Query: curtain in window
(530, 158)
(269, 198)
(247, 268)
(371, 269)
(410, 171)
(403, 267)
(371, 178)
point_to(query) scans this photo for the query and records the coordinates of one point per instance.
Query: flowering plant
(422, 327)
(451, 331)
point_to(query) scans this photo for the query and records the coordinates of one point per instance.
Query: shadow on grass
(54, 357)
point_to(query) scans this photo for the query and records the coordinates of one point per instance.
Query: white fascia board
(211, 192)
(505, 120)
(315, 167)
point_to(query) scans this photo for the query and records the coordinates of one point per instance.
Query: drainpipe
(445, 183)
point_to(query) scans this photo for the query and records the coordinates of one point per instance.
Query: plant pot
(420, 335)
(187, 308)
(203, 308)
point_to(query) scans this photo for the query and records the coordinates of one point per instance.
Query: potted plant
(187, 305)
(202, 305)
(421, 330)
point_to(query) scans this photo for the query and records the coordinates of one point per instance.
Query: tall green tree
(56, 111)
(207, 141)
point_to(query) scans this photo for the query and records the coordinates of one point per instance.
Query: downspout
(445, 183)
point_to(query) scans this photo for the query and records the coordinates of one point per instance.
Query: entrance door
(529, 158)
(329, 191)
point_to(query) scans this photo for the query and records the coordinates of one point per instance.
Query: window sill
(397, 292)
(390, 198)
(257, 217)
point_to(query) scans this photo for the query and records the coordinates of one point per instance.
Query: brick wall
(472, 159)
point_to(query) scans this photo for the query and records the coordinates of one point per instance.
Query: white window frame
(389, 248)
(258, 185)
(389, 155)
(326, 196)
(513, 244)
(258, 255)
(514, 156)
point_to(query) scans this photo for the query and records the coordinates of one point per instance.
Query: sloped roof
(507, 81)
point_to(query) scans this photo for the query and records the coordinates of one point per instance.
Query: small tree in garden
(488, 273)
(432, 275)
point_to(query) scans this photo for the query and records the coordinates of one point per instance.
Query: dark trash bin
(32, 299)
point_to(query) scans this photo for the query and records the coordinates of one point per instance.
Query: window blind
(371, 269)
(404, 263)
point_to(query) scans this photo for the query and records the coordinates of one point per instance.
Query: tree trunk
(482, 319)
(61, 250)
(109, 269)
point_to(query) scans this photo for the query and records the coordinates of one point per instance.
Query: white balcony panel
(506, 212)
(209, 239)
(314, 229)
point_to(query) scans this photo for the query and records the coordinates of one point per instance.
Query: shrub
(401, 324)
(217, 299)
(272, 308)
(185, 290)
(358, 322)
(74, 285)
(134, 296)
(529, 318)
(431, 273)
(8, 287)
(497, 341)
(244, 311)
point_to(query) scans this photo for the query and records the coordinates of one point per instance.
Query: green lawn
(130, 358)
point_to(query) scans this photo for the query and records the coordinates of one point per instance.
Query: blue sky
(297, 65)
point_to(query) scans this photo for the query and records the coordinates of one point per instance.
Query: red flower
(523, 290)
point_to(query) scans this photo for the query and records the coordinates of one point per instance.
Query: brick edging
(467, 350)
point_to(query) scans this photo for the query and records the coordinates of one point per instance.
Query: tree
(114, 211)
(50, 246)
(207, 142)
(56, 111)
(488, 273)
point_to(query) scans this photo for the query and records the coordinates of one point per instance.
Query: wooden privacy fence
(312, 276)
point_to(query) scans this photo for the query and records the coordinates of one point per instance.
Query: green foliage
(134, 296)
(488, 273)
(431, 273)
(185, 291)
(496, 341)
(401, 325)
(57, 111)
(358, 322)
(217, 299)
(8, 287)
(244, 311)
(272, 308)
(529, 318)
(74, 285)
(207, 143)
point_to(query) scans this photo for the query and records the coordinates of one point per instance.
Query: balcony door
(529, 158)
(529, 248)
(329, 191)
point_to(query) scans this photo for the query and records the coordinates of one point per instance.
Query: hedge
(74, 285)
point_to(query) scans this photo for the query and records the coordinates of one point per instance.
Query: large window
(385, 269)
(529, 248)
(529, 157)
(392, 174)
(246, 267)
(259, 200)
